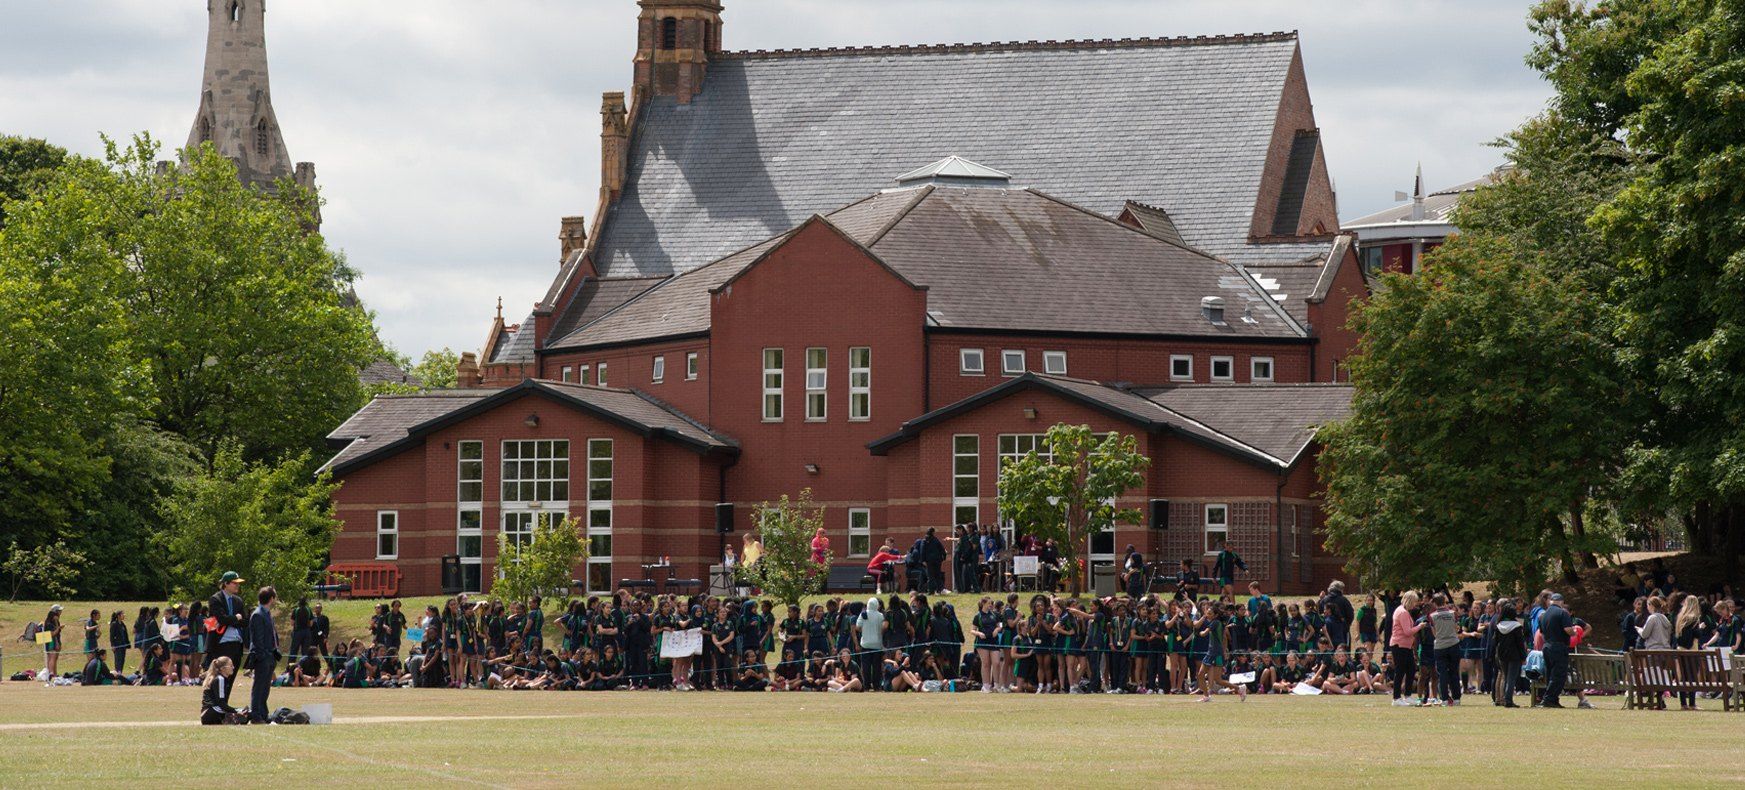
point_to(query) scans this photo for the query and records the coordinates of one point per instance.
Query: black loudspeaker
(1160, 514)
(724, 517)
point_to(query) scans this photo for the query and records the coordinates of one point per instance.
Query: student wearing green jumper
(535, 637)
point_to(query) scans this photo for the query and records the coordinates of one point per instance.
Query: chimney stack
(614, 143)
(467, 371)
(572, 236)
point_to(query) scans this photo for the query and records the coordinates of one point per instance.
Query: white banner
(681, 644)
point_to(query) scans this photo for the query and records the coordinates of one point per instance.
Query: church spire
(236, 105)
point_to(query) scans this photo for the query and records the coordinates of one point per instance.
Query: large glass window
(817, 377)
(860, 383)
(966, 479)
(772, 385)
(471, 475)
(859, 532)
(599, 515)
(536, 470)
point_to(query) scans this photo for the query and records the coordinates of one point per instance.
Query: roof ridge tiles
(1009, 46)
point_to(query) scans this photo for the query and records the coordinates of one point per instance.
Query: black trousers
(1402, 671)
(1448, 672)
(263, 684)
(232, 651)
(637, 665)
(120, 658)
(872, 669)
(1118, 668)
(935, 577)
(1503, 682)
(1556, 672)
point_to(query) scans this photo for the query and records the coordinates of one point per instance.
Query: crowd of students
(1423, 650)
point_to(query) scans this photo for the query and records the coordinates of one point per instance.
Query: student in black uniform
(118, 639)
(97, 671)
(213, 709)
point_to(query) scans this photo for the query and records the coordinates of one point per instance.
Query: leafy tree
(1070, 486)
(46, 570)
(786, 571)
(544, 566)
(266, 521)
(437, 369)
(114, 527)
(68, 369)
(27, 164)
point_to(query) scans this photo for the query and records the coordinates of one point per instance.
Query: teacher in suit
(263, 649)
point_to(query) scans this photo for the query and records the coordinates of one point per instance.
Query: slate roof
(1438, 205)
(1155, 221)
(1266, 424)
(1184, 124)
(999, 259)
(1296, 283)
(382, 371)
(390, 423)
(597, 297)
(1277, 419)
(515, 345)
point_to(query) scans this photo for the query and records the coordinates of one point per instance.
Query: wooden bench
(1656, 673)
(1594, 672)
(848, 577)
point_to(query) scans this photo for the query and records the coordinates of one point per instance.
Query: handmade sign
(414, 634)
(681, 644)
(1242, 677)
(44, 637)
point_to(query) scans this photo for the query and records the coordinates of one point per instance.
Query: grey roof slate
(1278, 419)
(1296, 182)
(1000, 259)
(517, 346)
(383, 371)
(387, 419)
(1155, 221)
(599, 296)
(1182, 124)
(1438, 205)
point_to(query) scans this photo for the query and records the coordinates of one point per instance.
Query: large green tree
(27, 164)
(1069, 486)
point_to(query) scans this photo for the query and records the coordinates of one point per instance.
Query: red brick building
(780, 292)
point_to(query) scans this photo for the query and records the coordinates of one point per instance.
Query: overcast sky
(450, 135)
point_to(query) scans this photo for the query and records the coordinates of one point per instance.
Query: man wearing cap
(1557, 627)
(230, 618)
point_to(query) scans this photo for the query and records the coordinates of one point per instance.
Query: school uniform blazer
(229, 611)
(263, 639)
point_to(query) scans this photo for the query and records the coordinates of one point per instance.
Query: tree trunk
(1576, 526)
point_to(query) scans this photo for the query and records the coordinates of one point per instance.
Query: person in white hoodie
(1657, 630)
(870, 628)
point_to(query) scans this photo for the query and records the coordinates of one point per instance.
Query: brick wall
(1139, 361)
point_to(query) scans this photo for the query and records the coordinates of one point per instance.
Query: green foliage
(27, 164)
(786, 571)
(113, 528)
(1071, 487)
(545, 566)
(437, 369)
(47, 570)
(266, 521)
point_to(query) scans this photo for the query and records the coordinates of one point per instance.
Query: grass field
(111, 736)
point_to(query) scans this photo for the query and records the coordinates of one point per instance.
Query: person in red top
(880, 565)
(1401, 663)
(820, 546)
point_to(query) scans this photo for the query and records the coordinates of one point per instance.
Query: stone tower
(236, 103)
(674, 39)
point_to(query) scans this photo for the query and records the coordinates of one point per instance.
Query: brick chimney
(614, 143)
(467, 371)
(572, 235)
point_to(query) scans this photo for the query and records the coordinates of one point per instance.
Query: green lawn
(111, 736)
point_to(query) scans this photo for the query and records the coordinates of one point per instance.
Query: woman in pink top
(1404, 636)
(820, 546)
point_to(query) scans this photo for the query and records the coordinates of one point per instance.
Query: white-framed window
(966, 479)
(600, 515)
(583, 370)
(569, 373)
(969, 362)
(518, 529)
(600, 374)
(1217, 526)
(1054, 362)
(859, 532)
(469, 525)
(772, 385)
(817, 376)
(1011, 362)
(860, 383)
(658, 372)
(1181, 367)
(1010, 447)
(1223, 368)
(1260, 369)
(691, 366)
(387, 534)
(536, 471)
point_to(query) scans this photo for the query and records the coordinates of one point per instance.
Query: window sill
(860, 419)
(976, 374)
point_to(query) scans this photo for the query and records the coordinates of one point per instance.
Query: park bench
(1594, 673)
(367, 579)
(1656, 673)
(848, 577)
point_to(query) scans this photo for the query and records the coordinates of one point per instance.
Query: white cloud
(450, 135)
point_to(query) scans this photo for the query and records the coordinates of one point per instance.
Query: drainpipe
(1278, 526)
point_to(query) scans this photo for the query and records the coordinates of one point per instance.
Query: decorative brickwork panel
(1250, 533)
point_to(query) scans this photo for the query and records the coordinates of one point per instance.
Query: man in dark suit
(230, 617)
(263, 649)
(933, 555)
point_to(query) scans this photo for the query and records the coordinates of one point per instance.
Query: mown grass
(836, 740)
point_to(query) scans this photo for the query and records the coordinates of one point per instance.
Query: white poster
(681, 644)
(1305, 690)
(1242, 677)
